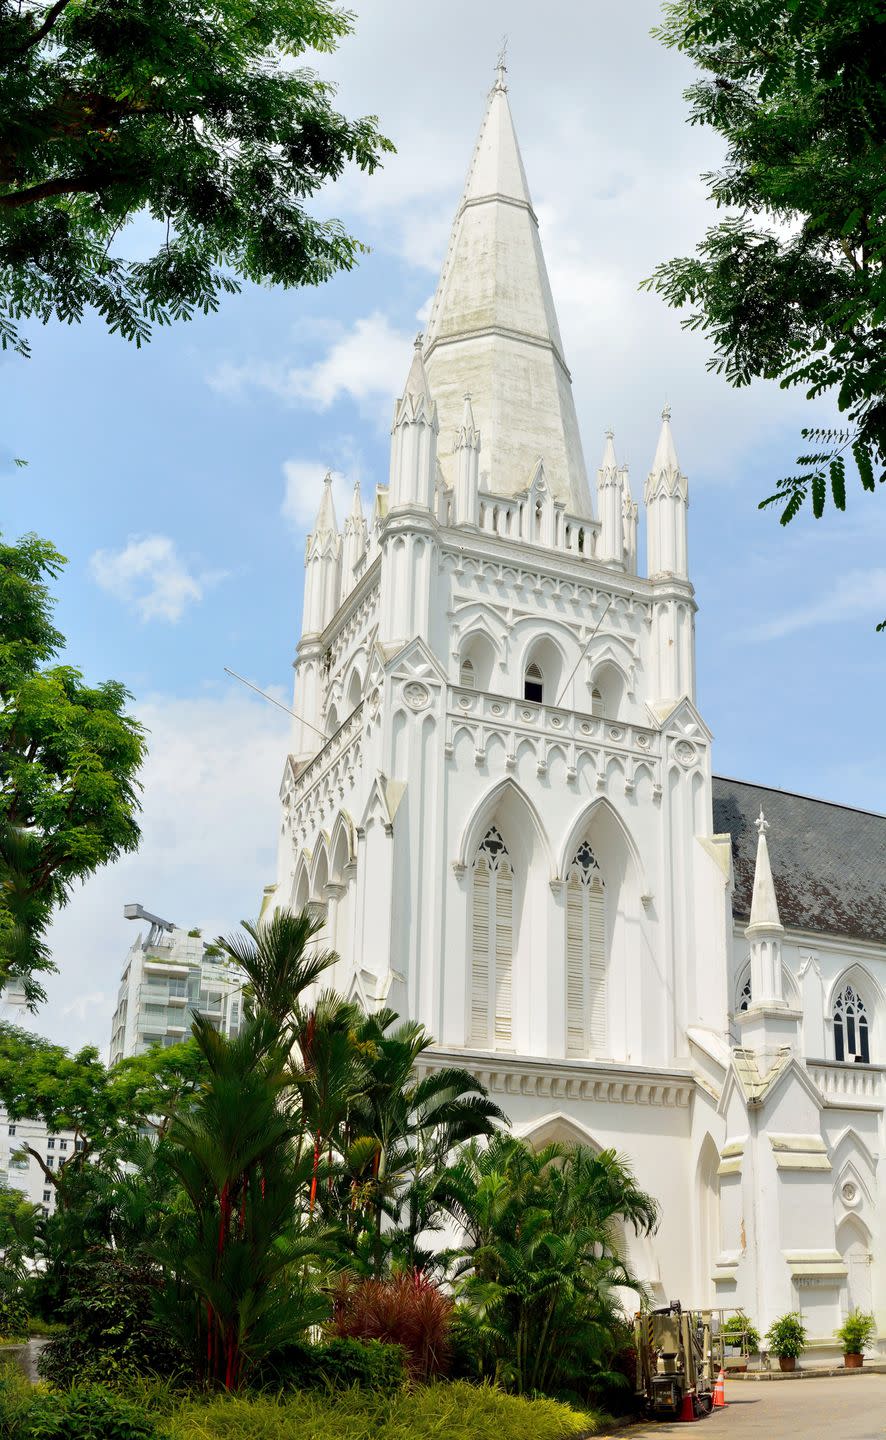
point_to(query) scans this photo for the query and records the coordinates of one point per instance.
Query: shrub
(112, 1332)
(337, 1365)
(856, 1332)
(13, 1315)
(455, 1410)
(739, 1330)
(787, 1335)
(85, 1412)
(406, 1309)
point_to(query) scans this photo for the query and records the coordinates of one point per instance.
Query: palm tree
(275, 956)
(538, 1268)
(405, 1127)
(236, 1156)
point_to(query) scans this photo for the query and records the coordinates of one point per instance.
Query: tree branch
(49, 1174)
(52, 15)
(46, 189)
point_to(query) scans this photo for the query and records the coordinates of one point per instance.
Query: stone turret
(768, 1024)
(413, 475)
(354, 542)
(610, 506)
(467, 473)
(667, 500)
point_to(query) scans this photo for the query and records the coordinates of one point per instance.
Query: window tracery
(851, 1030)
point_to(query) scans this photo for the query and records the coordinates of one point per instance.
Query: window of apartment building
(62, 1144)
(50, 1144)
(47, 1196)
(50, 1161)
(12, 1129)
(78, 1145)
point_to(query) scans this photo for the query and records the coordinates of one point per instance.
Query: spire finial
(761, 823)
(666, 412)
(419, 340)
(610, 433)
(501, 67)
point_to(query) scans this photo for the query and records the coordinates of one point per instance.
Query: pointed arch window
(585, 955)
(596, 702)
(492, 943)
(467, 674)
(851, 1031)
(744, 997)
(533, 683)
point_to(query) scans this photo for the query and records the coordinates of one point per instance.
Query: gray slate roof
(828, 861)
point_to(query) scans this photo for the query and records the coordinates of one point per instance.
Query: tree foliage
(69, 758)
(202, 117)
(791, 284)
(297, 1175)
(540, 1260)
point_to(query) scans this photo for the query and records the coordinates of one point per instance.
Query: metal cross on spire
(501, 65)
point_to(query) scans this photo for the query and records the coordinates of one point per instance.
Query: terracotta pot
(853, 1362)
(787, 1362)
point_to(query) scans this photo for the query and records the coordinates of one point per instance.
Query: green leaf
(838, 482)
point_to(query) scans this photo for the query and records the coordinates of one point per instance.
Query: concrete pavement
(850, 1407)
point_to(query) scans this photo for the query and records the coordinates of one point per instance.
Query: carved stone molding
(592, 1081)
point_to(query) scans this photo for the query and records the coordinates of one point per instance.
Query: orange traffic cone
(720, 1391)
(687, 1410)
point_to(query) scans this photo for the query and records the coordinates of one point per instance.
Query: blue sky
(180, 479)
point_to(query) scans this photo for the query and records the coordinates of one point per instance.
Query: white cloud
(304, 484)
(859, 595)
(149, 575)
(209, 825)
(367, 363)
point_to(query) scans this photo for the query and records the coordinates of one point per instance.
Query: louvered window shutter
(594, 896)
(585, 956)
(504, 951)
(480, 953)
(576, 1043)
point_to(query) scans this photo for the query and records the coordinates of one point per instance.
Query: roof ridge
(800, 795)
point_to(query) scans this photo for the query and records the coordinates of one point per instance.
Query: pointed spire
(413, 473)
(417, 379)
(326, 523)
(665, 453)
(609, 463)
(467, 471)
(610, 546)
(468, 433)
(764, 906)
(493, 325)
(666, 494)
(356, 504)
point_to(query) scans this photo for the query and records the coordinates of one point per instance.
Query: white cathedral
(499, 795)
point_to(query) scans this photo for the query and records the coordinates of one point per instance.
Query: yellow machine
(679, 1355)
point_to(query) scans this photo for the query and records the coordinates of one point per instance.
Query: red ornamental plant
(406, 1309)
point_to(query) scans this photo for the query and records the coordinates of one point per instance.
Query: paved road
(836, 1408)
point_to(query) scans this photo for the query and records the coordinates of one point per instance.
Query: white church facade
(500, 796)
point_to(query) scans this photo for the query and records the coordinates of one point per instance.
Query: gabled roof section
(493, 330)
(827, 860)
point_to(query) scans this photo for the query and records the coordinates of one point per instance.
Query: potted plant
(854, 1334)
(787, 1339)
(738, 1331)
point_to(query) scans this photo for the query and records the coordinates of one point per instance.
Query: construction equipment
(678, 1358)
